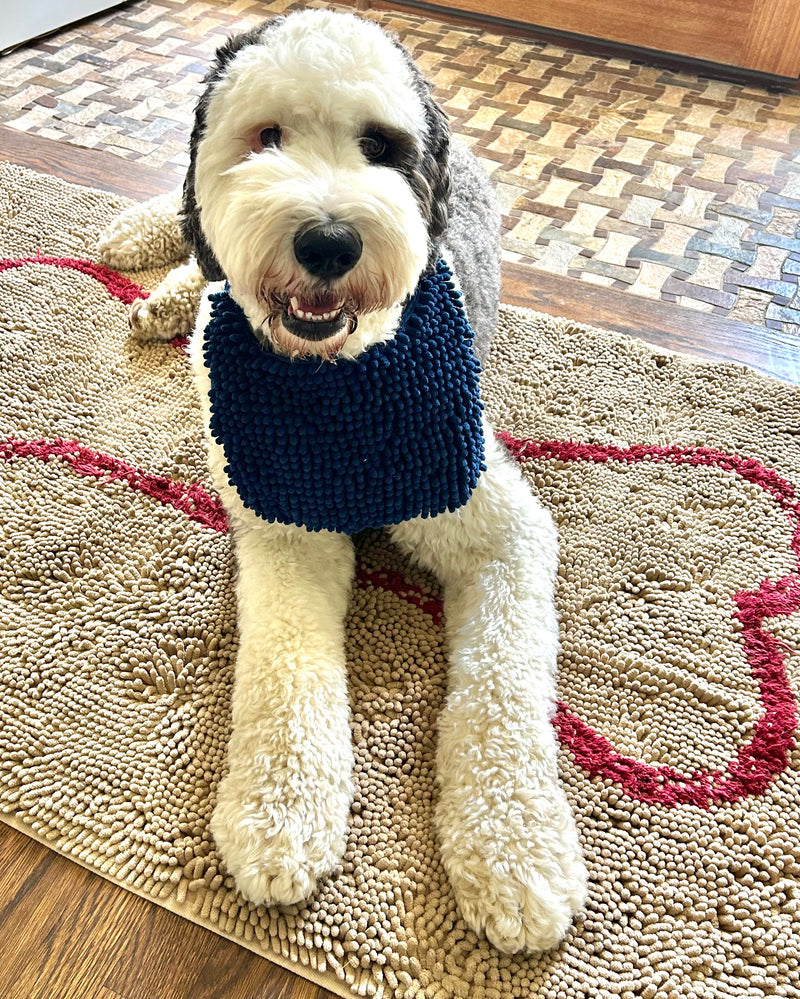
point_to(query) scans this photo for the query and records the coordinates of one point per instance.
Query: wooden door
(762, 35)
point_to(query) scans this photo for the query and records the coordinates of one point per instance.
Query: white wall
(21, 20)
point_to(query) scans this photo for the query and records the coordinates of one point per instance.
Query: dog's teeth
(312, 317)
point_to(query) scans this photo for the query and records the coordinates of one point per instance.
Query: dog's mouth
(314, 320)
(315, 324)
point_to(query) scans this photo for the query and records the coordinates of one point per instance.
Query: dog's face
(318, 180)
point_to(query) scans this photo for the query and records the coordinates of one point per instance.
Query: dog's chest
(342, 447)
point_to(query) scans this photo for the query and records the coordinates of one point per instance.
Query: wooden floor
(68, 934)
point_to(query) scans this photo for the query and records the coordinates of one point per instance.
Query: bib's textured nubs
(375, 441)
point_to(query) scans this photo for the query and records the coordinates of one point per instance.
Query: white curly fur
(508, 838)
(171, 309)
(137, 239)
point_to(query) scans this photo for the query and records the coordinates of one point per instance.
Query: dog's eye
(375, 147)
(269, 138)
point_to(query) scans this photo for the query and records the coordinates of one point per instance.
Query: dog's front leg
(281, 815)
(508, 837)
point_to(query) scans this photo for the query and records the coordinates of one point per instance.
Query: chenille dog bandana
(392, 435)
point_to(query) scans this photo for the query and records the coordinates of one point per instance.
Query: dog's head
(318, 180)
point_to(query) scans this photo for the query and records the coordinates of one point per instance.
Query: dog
(324, 190)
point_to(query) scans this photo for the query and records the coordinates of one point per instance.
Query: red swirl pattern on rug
(118, 285)
(756, 763)
(766, 755)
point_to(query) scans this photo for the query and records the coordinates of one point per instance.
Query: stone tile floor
(669, 185)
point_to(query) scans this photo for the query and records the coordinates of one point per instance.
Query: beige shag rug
(673, 484)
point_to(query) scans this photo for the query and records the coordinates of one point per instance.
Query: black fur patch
(190, 215)
(430, 179)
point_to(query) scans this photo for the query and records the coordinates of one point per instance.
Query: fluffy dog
(323, 188)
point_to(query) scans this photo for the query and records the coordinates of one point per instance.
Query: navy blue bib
(394, 434)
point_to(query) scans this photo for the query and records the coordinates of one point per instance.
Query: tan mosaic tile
(662, 175)
(507, 142)
(558, 192)
(611, 183)
(581, 159)
(702, 117)
(694, 304)
(530, 228)
(784, 221)
(730, 137)
(777, 131)
(634, 151)
(750, 306)
(655, 121)
(715, 168)
(532, 165)
(791, 188)
(557, 86)
(746, 194)
(533, 112)
(764, 160)
(768, 263)
(693, 207)
(597, 279)
(747, 109)
(587, 218)
(710, 272)
(484, 118)
(617, 248)
(511, 94)
(650, 280)
(558, 257)
(683, 143)
(673, 239)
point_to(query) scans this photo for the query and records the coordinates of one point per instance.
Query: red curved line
(192, 500)
(118, 286)
(396, 582)
(767, 754)
(781, 490)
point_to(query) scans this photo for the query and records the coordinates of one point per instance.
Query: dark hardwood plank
(451, 12)
(659, 323)
(70, 934)
(89, 167)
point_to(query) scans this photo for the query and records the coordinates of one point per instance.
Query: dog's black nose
(328, 251)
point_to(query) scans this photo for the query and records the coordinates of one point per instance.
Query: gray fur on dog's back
(472, 242)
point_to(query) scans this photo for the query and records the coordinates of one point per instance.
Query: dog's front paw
(171, 309)
(518, 875)
(277, 844)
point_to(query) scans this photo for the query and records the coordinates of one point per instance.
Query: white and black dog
(324, 189)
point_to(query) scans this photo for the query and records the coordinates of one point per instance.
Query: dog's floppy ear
(430, 181)
(436, 167)
(191, 214)
(190, 223)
